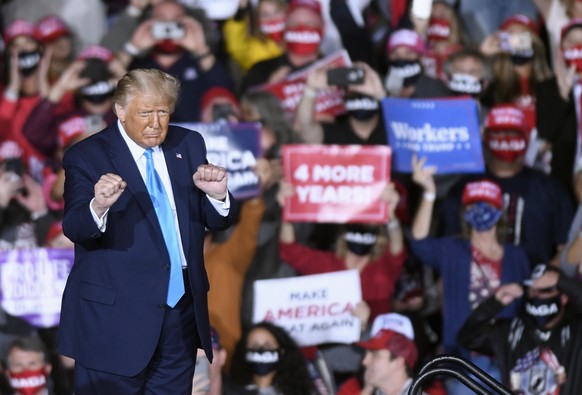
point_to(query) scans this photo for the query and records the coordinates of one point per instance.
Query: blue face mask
(482, 216)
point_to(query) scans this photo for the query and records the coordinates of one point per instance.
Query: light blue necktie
(161, 204)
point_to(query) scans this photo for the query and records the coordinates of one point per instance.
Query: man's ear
(120, 112)
(48, 368)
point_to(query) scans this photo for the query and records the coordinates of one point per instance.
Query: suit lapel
(180, 177)
(128, 171)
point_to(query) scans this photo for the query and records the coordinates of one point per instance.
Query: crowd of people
(482, 266)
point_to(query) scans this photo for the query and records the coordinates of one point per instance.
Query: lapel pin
(179, 156)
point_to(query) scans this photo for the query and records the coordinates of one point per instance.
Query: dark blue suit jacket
(112, 308)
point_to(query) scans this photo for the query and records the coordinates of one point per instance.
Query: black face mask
(520, 60)
(262, 361)
(409, 70)
(28, 62)
(360, 243)
(362, 108)
(543, 311)
(98, 92)
(465, 84)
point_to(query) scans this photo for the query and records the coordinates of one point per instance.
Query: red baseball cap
(215, 92)
(574, 23)
(50, 28)
(406, 38)
(522, 20)
(507, 117)
(10, 149)
(70, 130)
(483, 191)
(96, 52)
(312, 5)
(398, 344)
(18, 27)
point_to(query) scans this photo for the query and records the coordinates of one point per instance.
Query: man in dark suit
(132, 325)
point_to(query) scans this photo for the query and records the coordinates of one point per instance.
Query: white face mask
(465, 84)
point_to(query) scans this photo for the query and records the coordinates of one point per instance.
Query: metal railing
(460, 369)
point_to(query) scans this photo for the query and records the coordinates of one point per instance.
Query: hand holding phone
(344, 76)
(167, 30)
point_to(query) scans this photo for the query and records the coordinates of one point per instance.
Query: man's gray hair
(147, 81)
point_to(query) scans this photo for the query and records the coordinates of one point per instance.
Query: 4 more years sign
(335, 183)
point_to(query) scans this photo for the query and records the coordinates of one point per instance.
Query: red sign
(336, 183)
(289, 90)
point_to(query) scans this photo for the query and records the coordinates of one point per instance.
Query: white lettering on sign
(218, 143)
(308, 311)
(429, 134)
(341, 174)
(233, 160)
(336, 173)
(330, 194)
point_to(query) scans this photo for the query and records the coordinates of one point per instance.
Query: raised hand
(565, 78)
(10, 184)
(317, 78)
(70, 80)
(362, 311)
(211, 180)
(391, 197)
(33, 200)
(194, 40)
(507, 293)
(285, 191)
(142, 37)
(43, 72)
(372, 85)
(107, 191)
(15, 79)
(423, 176)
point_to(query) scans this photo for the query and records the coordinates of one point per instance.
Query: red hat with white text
(18, 27)
(312, 5)
(406, 38)
(522, 20)
(483, 191)
(507, 117)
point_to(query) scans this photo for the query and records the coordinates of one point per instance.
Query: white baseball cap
(395, 322)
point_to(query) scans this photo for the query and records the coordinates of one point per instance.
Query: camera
(221, 111)
(167, 30)
(516, 43)
(344, 76)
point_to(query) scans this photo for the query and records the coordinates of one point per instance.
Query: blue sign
(235, 147)
(446, 131)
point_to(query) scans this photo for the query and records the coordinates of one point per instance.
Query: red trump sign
(336, 183)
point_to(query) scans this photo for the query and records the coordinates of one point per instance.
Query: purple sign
(32, 283)
(235, 147)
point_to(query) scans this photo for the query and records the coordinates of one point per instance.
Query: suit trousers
(171, 369)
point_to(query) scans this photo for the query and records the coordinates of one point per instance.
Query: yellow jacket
(245, 49)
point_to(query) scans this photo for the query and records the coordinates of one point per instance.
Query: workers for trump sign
(32, 283)
(235, 147)
(314, 309)
(336, 183)
(446, 131)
